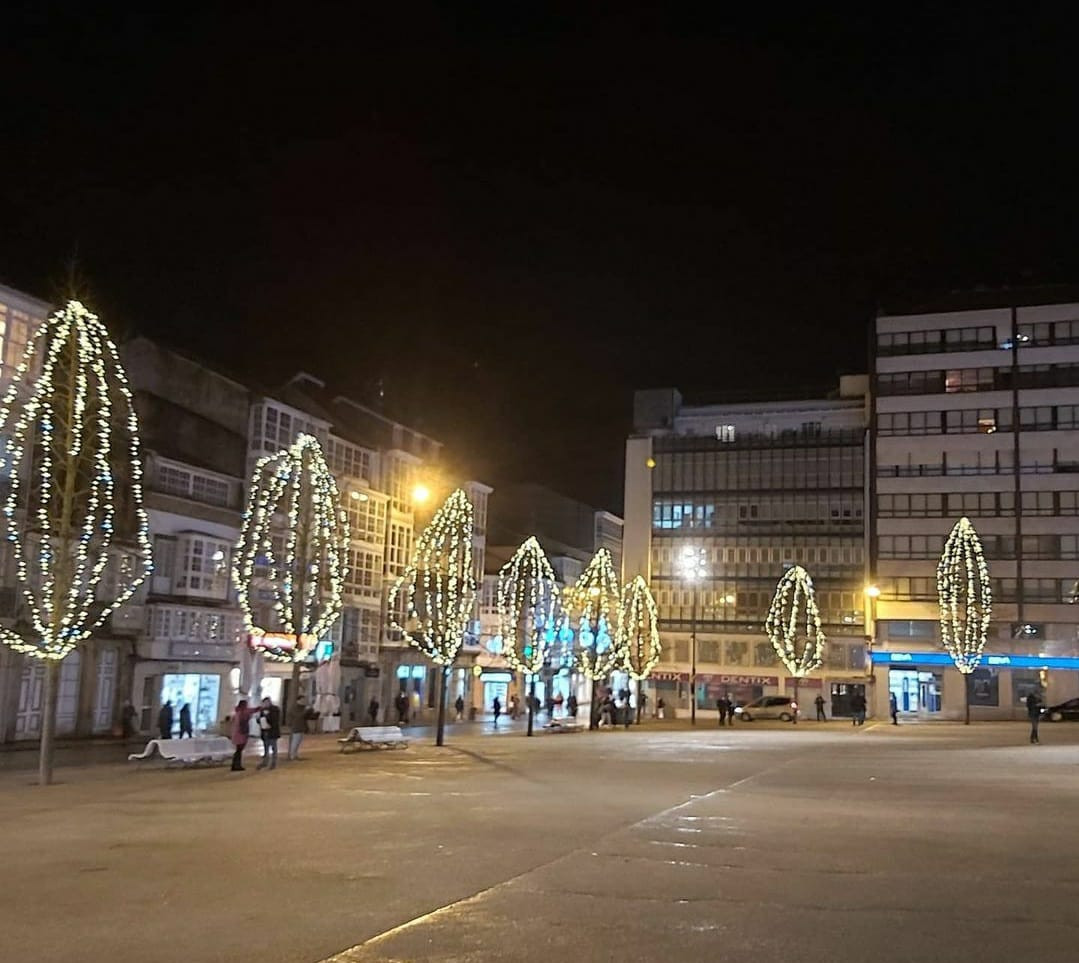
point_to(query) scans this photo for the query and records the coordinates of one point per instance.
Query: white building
(751, 489)
(976, 413)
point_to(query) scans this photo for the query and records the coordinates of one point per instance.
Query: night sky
(514, 215)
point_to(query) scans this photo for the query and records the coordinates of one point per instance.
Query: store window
(984, 687)
(202, 566)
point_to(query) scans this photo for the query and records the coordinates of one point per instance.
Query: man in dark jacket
(1034, 714)
(164, 720)
(186, 729)
(269, 722)
(372, 711)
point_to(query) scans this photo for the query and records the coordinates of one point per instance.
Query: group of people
(725, 707)
(165, 720)
(267, 718)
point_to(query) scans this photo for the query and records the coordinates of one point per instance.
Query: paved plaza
(815, 843)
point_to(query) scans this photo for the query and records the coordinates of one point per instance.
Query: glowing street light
(420, 493)
(692, 567)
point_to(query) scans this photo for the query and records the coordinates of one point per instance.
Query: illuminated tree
(966, 600)
(293, 496)
(527, 600)
(638, 633)
(793, 626)
(73, 509)
(438, 588)
(593, 604)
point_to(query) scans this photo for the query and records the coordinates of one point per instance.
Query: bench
(187, 752)
(375, 737)
(556, 725)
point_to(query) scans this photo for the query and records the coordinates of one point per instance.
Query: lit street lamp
(692, 565)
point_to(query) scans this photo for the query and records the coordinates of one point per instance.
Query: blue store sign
(989, 660)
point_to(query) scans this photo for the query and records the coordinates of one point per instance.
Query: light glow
(965, 596)
(793, 623)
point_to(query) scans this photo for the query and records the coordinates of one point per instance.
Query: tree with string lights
(73, 509)
(638, 633)
(527, 601)
(966, 601)
(592, 606)
(794, 628)
(431, 603)
(293, 496)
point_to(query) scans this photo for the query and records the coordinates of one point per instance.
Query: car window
(777, 701)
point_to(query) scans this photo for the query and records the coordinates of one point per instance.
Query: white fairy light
(794, 600)
(527, 601)
(593, 604)
(638, 630)
(306, 581)
(965, 596)
(438, 586)
(64, 435)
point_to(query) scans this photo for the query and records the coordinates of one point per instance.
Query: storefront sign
(996, 661)
(741, 679)
(669, 677)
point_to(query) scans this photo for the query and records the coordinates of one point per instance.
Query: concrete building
(976, 413)
(751, 488)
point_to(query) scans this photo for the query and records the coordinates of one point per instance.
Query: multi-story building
(976, 414)
(748, 490)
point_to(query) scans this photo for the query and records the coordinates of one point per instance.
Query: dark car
(1065, 712)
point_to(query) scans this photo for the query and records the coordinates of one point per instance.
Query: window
(725, 433)
(366, 517)
(978, 338)
(346, 460)
(187, 483)
(364, 572)
(909, 589)
(15, 330)
(202, 566)
(273, 427)
(399, 548)
(968, 379)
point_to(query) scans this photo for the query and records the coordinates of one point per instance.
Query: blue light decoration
(997, 661)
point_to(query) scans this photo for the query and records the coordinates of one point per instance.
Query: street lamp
(420, 493)
(872, 593)
(692, 565)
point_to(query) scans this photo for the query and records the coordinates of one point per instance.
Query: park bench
(374, 737)
(563, 725)
(187, 752)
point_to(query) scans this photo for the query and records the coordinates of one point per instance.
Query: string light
(794, 600)
(593, 604)
(965, 596)
(306, 580)
(638, 629)
(64, 449)
(527, 599)
(438, 586)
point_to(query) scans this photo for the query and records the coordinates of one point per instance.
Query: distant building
(753, 488)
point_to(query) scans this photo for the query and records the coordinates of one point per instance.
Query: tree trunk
(593, 708)
(796, 704)
(638, 702)
(294, 685)
(531, 701)
(49, 695)
(440, 733)
(967, 680)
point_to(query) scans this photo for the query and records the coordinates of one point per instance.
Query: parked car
(1065, 712)
(783, 708)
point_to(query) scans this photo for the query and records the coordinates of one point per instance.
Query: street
(765, 842)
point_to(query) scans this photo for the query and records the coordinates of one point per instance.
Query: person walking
(893, 708)
(269, 722)
(1034, 714)
(164, 720)
(819, 703)
(571, 706)
(459, 705)
(372, 711)
(185, 721)
(497, 706)
(721, 709)
(661, 708)
(401, 705)
(297, 723)
(241, 720)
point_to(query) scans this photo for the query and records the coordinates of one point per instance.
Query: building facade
(976, 414)
(749, 490)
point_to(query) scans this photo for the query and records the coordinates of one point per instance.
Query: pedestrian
(372, 711)
(571, 706)
(607, 709)
(819, 703)
(401, 705)
(661, 708)
(642, 705)
(164, 720)
(185, 721)
(722, 705)
(1034, 713)
(127, 719)
(241, 720)
(459, 705)
(515, 708)
(269, 723)
(497, 706)
(859, 709)
(558, 703)
(297, 724)
(893, 708)
(549, 705)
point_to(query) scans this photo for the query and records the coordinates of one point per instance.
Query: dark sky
(516, 214)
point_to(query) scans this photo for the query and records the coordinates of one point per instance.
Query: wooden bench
(374, 737)
(187, 752)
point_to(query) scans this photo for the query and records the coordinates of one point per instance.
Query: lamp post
(692, 564)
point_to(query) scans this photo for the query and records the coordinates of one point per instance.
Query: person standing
(241, 720)
(127, 719)
(372, 711)
(297, 723)
(185, 721)
(661, 708)
(459, 705)
(1034, 714)
(401, 705)
(497, 706)
(269, 722)
(819, 703)
(721, 709)
(164, 720)
(571, 706)
(893, 708)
